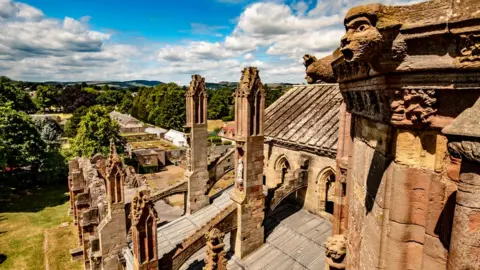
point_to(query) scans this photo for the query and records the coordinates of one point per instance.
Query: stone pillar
(343, 151)
(215, 254)
(196, 172)
(112, 230)
(248, 192)
(144, 231)
(464, 143)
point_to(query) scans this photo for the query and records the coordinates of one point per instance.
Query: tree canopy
(163, 105)
(220, 102)
(47, 96)
(21, 142)
(95, 130)
(11, 91)
(70, 129)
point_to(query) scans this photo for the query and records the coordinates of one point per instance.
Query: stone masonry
(248, 192)
(464, 143)
(196, 172)
(405, 72)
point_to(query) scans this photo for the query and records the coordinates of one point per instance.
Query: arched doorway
(326, 190)
(282, 170)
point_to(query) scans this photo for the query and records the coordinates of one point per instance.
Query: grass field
(213, 124)
(162, 144)
(25, 217)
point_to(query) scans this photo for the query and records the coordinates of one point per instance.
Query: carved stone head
(336, 247)
(363, 40)
(318, 70)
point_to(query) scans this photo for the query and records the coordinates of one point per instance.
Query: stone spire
(144, 231)
(196, 172)
(248, 192)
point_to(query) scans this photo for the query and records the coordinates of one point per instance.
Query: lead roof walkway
(173, 233)
(294, 241)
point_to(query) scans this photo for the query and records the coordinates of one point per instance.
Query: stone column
(196, 172)
(464, 143)
(248, 192)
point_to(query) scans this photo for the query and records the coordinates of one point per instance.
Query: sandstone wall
(398, 193)
(318, 165)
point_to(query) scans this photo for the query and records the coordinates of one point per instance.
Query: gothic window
(258, 110)
(326, 190)
(283, 169)
(201, 108)
(150, 235)
(330, 193)
(118, 187)
(142, 237)
(251, 119)
(196, 108)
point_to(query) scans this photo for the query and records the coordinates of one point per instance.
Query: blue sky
(166, 40)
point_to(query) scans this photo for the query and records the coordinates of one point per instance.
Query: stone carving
(402, 107)
(239, 178)
(419, 105)
(215, 251)
(470, 48)
(188, 154)
(319, 70)
(250, 82)
(465, 149)
(140, 202)
(363, 41)
(197, 85)
(336, 252)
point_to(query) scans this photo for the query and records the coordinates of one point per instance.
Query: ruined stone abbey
(375, 164)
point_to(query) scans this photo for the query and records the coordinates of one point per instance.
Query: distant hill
(118, 84)
(235, 84)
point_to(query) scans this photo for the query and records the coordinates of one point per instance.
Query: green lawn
(24, 218)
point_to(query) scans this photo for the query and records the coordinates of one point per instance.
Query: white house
(160, 132)
(176, 137)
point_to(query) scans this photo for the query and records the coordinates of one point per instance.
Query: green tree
(110, 98)
(50, 132)
(21, 142)
(70, 129)
(219, 103)
(96, 128)
(272, 94)
(162, 105)
(74, 97)
(126, 104)
(46, 96)
(20, 99)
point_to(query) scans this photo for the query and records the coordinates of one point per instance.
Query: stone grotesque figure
(215, 251)
(239, 178)
(188, 153)
(363, 41)
(319, 70)
(336, 251)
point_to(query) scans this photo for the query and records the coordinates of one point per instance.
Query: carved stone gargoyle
(336, 252)
(320, 70)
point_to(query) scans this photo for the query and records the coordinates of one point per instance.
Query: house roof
(125, 119)
(306, 117)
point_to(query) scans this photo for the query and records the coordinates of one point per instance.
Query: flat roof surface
(295, 240)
